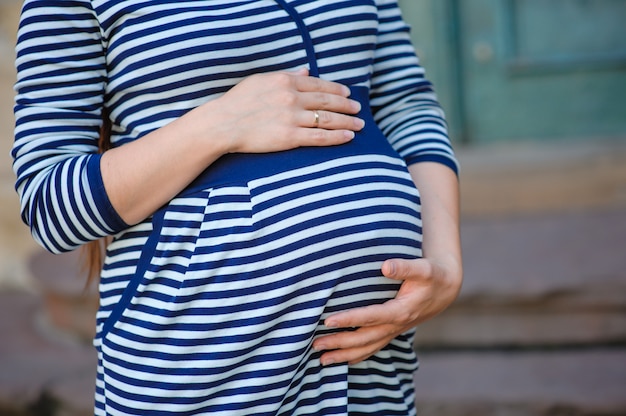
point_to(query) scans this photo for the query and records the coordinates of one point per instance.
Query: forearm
(439, 192)
(143, 175)
(264, 113)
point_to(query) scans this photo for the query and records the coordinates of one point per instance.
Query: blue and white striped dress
(210, 305)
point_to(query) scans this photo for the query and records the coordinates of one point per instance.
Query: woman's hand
(429, 284)
(428, 287)
(284, 110)
(263, 113)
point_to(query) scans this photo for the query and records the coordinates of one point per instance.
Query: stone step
(557, 279)
(586, 382)
(68, 304)
(534, 177)
(42, 372)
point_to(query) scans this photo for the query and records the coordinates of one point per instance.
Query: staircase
(540, 325)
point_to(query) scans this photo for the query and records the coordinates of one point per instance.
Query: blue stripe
(142, 266)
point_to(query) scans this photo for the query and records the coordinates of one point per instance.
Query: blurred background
(535, 95)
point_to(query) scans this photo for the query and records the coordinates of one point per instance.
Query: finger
(403, 269)
(330, 102)
(366, 316)
(320, 137)
(314, 84)
(330, 121)
(354, 339)
(353, 355)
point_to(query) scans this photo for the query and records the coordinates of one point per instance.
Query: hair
(93, 252)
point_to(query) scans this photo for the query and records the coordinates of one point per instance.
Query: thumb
(406, 269)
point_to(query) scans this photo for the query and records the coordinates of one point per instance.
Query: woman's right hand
(263, 113)
(277, 111)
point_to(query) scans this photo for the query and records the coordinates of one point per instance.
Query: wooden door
(526, 69)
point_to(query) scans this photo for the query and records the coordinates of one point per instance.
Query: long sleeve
(60, 83)
(403, 101)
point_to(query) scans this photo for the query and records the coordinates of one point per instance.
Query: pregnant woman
(270, 253)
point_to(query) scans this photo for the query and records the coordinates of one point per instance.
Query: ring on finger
(316, 122)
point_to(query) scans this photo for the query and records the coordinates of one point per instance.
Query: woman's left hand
(428, 288)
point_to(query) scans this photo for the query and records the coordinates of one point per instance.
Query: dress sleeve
(403, 101)
(61, 75)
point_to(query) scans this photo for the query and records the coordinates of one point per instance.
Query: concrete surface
(42, 372)
(586, 382)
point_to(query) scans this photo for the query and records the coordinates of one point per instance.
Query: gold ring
(316, 123)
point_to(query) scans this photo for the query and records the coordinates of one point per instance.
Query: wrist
(450, 274)
(204, 127)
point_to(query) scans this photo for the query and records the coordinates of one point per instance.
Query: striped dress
(210, 306)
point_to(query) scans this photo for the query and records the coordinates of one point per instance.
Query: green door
(525, 69)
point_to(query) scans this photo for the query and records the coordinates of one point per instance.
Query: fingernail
(349, 134)
(355, 105)
(391, 268)
(327, 361)
(319, 348)
(359, 123)
(329, 324)
(346, 91)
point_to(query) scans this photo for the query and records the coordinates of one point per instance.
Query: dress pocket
(164, 258)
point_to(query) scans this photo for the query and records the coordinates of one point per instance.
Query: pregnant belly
(258, 238)
(236, 279)
(328, 225)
